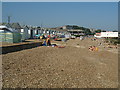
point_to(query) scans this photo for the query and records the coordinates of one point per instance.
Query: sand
(71, 67)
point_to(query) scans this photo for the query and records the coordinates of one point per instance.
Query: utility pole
(9, 19)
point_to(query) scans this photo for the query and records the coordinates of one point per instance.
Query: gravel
(71, 67)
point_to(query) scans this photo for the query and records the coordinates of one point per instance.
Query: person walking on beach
(48, 42)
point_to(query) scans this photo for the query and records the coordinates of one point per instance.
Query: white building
(92, 30)
(106, 34)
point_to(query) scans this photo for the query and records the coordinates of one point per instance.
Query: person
(96, 49)
(48, 42)
(44, 43)
(90, 48)
(93, 48)
(43, 37)
(100, 43)
(94, 39)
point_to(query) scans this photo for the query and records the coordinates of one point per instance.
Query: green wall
(11, 37)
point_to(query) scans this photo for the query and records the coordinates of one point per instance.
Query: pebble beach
(73, 66)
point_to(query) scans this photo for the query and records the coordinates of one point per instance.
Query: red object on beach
(49, 36)
(55, 39)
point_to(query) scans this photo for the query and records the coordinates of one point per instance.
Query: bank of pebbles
(69, 67)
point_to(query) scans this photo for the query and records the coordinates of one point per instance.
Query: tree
(103, 31)
(87, 31)
(115, 31)
(98, 31)
(75, 27)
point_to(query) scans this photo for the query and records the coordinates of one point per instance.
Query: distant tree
(115, 31)
(75, 27)
(87, 31)
(103, 31)
(98, 31)
(82, 28)
(38, 27)
(61, 28)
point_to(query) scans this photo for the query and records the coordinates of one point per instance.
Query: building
(92, 30)
(24, 32)
(106, 34)
(16, 26)
(32, 32)
(9, 35)
(76, 32)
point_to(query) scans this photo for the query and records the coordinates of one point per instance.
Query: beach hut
(24, 32)
(47, 32)
(8, 25)
(67, 35)
(41, 32)
(44, 31)
(38, 30)
(16, 26)
(53, 32)
(31, 32)
(9, 35)
(34, 32)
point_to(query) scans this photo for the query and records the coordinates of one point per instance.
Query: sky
(97, 15)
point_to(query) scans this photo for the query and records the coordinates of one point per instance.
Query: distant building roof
(24, 26)
(16, 26)
(8, 25)
(3, 27)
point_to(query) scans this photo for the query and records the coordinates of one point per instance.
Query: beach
(73, 66)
